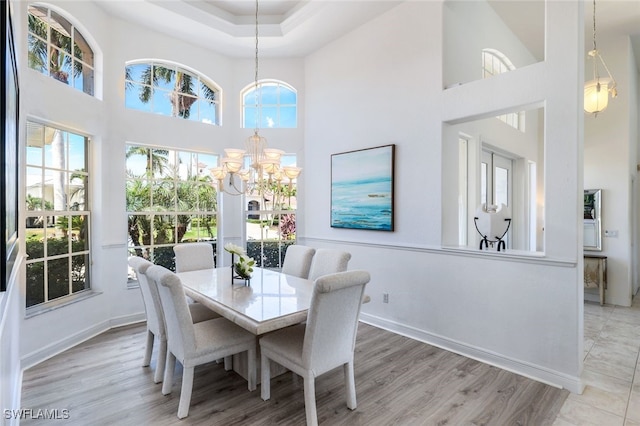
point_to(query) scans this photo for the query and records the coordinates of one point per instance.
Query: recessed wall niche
(488, 160)
(483, 38)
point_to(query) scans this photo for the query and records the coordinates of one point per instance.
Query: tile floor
(611, 369)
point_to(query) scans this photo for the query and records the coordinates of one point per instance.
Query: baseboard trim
(531, 371)
(53, 349)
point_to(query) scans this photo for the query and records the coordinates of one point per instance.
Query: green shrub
(273, 252)
(57, 269)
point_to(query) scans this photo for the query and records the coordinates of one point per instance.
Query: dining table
(269, 301)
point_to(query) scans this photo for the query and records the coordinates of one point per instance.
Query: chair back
(332, 321)
(193, 256)
(297, 260)
(150, 296)
(180, 332)
(328, 261)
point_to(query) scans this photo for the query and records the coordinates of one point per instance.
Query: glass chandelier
(596, 91)
(265, 174)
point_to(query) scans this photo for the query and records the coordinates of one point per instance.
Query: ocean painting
(362, 189)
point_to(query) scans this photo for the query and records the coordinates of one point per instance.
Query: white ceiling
(287, 28)
(294, 28)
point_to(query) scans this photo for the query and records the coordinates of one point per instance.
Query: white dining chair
(297, 260)
(193, 256)
(155, 316)
(325, 342)
(196, 344)
(328, 261)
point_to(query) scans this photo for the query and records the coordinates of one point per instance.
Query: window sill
(59, 303)
(514, 255)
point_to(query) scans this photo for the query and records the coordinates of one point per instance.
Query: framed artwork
(9, 106)
(362, 189)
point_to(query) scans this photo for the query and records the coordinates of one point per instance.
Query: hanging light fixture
(596, 91)
(265, 173)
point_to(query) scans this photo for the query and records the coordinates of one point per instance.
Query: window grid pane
(179, 206)
(167, 90)
(57, 243)
(271, 222)
(57, 49)
(493, 63)
(274, 107)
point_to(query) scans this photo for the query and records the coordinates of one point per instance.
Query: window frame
(156, 87)
(280, 209)
(69, 212)
(513, 119)
(256, 102)
(150, 212)
(50, 46)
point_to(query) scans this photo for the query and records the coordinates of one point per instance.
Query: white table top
(272, 301)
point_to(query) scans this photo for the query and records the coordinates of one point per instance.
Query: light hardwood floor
(399, 381)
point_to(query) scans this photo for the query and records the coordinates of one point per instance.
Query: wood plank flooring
(399, 381)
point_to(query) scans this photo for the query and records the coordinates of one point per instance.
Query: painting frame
(9, 104)
(362, 189)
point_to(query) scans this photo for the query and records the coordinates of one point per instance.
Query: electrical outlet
(611, 233)
(385, 298)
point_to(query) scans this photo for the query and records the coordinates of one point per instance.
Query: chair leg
(162, 359)
(351, 385)
(265, 373)
(169, 367)
(228, 363)
(148, 349)
(251, 367)
(310, 400)
(185, 392)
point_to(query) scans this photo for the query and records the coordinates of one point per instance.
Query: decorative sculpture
(492, 223)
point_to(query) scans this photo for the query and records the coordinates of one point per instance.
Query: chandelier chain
(255, 88)
(594, 25)
(265, 173)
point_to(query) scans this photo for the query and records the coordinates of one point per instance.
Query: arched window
(58, 49)
(495, 62)
(168, 89)
(272, 104)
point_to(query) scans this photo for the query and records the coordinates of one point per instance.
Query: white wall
(474, 25)
(111, 126)
(610, 154)
(523, 313)
(10, 336)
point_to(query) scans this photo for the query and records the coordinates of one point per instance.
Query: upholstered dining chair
(325, 342)
(195, 344)
(155, 316)
(193, 256)
(328, 261)
(297, 260)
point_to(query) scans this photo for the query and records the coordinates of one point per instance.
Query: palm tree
(182, 97)
(57, 60)
(196, 194)
(137, 198)
(157, 159)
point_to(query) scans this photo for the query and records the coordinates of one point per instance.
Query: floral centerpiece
(243, 268)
